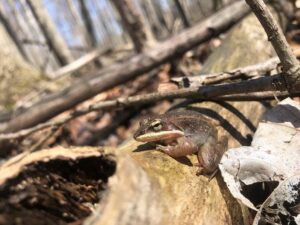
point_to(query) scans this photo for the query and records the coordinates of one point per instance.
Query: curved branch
(290, 64)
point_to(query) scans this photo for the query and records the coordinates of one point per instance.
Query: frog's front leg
(165, 149)
(183, 146)
(210, 155)
(169, 150)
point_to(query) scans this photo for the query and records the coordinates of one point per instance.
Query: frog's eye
(156, 125)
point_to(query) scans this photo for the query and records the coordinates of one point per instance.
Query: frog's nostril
(137, 134)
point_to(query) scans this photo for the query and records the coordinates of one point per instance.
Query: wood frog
(184, 132)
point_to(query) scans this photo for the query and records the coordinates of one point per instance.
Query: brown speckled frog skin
(184, 132)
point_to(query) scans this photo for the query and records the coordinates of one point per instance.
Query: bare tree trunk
(55, 41)
(156, 19)
(78, 24)
(182, 13)
(124, 35)
(39, 54)
(92, 40)
(106, 31)
(160, 13)
(12, 34)
(132, 22)
(17, 77)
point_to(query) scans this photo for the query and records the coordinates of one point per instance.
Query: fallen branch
(79, 63)
(122, 72)
(225, 92)
(248, 71)
(290, 64)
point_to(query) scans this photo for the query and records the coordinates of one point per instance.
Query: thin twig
(289, 61)
(50, 133)
(248, 71)
(79, 63)
(226, 92)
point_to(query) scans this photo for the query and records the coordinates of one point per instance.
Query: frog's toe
(197, 164)
(162, 148)
(200, 171)
(203, 171)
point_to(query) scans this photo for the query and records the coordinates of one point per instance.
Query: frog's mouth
(158, 136)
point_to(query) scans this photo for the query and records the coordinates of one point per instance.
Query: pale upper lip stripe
(157, 136)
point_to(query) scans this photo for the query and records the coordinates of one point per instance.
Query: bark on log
(120, 73)
(156, 189)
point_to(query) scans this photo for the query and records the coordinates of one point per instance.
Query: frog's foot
(200, 169)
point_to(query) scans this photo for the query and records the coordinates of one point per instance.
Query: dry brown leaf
(273, 156)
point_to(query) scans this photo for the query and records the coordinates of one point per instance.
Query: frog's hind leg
(210, 155)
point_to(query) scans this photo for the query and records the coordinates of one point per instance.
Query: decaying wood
(56, 186)
(14, 166)
(122, 72)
